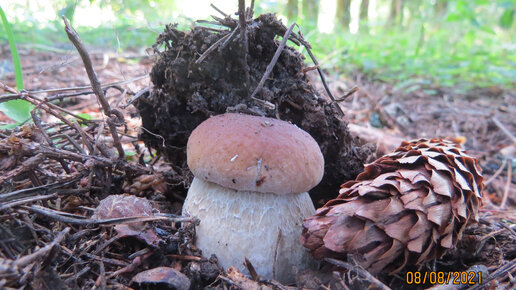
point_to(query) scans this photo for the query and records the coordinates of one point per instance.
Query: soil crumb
(187, 91)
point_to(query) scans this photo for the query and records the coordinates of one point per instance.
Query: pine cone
(407, 207)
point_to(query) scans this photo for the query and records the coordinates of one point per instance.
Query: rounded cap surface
(245, 152)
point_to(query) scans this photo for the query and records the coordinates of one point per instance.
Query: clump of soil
(187, 92)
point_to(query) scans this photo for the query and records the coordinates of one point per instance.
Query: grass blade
(18, 110)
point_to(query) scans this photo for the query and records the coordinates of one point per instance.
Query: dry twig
(75, 219)
(496, 275)
(271, 65)
(25, 260)
(504, 129)
(243, 38)
(347, 94)
(497, 172)
(360, 271)
(507, 185)
(97, 89)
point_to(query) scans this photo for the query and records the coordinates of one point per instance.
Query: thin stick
(88, 65)
(252, 271)
(242, 20)
(72, 141)
(273, 62)
(95, 84)
(50, 105)
(349, 93)
(28, 165)
(504, 129)
(502, 271)
(87, 139)
(278, 240)
(37, 122)
(308, 47)
(507, 184)
(211, 28)
(65, 218)
(233, 33)
(33, 148)
(136, 96)
(321, 75)
(209, 22)
(498, 171)
(37, 102)
(218, 10)
(513, 232)
(211, 48)
(25, 260)
(26, 200)
(360, 271)
(251, 10)
(8, 88)
(16, 95)
(107, 260)
(44, 189)
(46, 107)
(186, 257)
(104, 87)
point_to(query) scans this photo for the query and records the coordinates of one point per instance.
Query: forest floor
(93, 255)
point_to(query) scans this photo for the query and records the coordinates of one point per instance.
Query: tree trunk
(364, 13)
(414, 8)
(343, 15)
(440, 7)
(292, 10)
(396, 13)
(311, 12)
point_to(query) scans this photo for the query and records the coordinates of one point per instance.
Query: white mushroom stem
(247, 224)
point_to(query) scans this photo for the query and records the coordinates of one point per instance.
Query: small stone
(161, 278)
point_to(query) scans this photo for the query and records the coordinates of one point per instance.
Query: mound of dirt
(188, 91)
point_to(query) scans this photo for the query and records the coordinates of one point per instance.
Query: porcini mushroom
(250, 188)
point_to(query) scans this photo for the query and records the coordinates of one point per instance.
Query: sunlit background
(96, 13)
(461, 43)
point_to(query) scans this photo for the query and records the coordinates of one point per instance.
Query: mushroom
(250, 188)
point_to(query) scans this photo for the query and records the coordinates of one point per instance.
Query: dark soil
(186, 93)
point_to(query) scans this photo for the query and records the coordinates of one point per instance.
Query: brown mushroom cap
(245, 152)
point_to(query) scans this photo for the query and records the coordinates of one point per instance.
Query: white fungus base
(238, 224)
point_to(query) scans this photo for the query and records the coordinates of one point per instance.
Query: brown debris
(125, 205)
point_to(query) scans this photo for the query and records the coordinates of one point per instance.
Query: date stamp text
(454, 278)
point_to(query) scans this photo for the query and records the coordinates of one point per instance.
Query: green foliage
(465, 50)
(507, 18)
(137, 25)
(18, 110)
(463, 43)
(68, 10)
(85, 116)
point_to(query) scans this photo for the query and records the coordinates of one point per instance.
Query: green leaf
(474, 21)
(469, 37)
(68, 11)
(14, 51)
(4, 126)
(507, 18)
(453, 17)
(85, 116)
(507, 4)
(18, 110)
